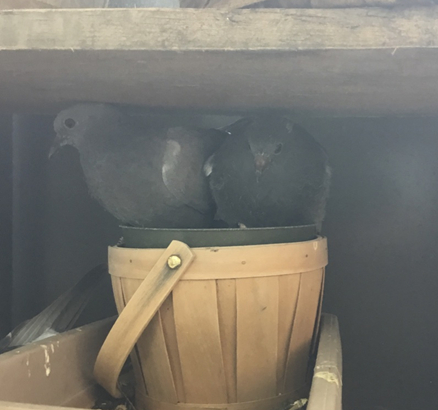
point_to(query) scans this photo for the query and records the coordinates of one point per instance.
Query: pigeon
(269, 172)
(58, 317)
(144, 176)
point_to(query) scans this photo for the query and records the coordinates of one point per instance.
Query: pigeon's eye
(70, 123)
(278, 149)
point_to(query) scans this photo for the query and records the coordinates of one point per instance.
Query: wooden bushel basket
(223, 328)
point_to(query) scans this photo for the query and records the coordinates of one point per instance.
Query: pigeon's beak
(261, 163)
(57, 144)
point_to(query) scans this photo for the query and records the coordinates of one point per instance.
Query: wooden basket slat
(228, 262)
(226, 293)
(199, 344)
(257, 332)
(120, 300)
(269, 403)
(303, 326)
(155, 362)
(287, 304)
(168, 323)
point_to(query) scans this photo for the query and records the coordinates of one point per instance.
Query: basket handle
(138, 312)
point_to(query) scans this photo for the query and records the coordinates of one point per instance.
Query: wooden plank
(317, 4)
(326, 390)
(191, 29)
(197, 330)
(226, 295)
(257, 332)
(288, 287)
(24, 378)
(330, 62)
(47, 4)
(302, 332)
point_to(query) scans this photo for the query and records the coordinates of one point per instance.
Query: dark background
(382, 227)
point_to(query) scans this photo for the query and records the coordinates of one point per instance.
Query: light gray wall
(382, 226)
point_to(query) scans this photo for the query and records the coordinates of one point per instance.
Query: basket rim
(228, 262)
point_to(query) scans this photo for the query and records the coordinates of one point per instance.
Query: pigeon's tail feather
(60, 316)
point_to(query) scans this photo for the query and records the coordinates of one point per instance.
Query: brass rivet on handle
(174, 261)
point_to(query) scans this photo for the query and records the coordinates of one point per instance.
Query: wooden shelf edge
(202, 29)
(341, 62)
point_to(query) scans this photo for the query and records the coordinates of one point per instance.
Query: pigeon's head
(267, 137)
(80, 122)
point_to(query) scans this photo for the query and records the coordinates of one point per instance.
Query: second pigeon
(269, 172)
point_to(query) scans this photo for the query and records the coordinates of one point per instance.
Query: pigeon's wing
(58, 317)
(182, 170)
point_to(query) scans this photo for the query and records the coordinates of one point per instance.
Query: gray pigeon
(143, 176)
(269, 172)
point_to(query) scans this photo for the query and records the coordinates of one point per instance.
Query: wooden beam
(329, 62)
(192, 29)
